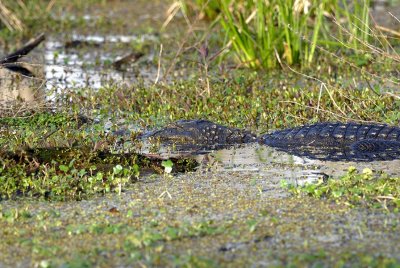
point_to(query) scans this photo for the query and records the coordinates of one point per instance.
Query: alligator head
(189, 137)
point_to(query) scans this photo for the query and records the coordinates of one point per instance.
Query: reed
(263, 34)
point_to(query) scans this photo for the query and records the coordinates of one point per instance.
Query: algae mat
(201, 219)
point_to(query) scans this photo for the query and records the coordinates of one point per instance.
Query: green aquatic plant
(355, 188)
(167, 166)
(59, 179)
(63, 155)
(37, 159)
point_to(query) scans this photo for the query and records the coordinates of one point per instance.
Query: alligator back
(186, 137)
(338, 141)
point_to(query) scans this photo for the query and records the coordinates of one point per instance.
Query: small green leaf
(117, 169)
(64, 168)
(167, 165)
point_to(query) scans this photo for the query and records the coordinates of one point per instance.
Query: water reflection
(19, 93)
(87, 63)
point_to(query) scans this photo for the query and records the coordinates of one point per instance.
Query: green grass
(356, 32)
(265, 34)
(41, 16)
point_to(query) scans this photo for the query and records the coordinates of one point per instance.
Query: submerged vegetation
(40, 157)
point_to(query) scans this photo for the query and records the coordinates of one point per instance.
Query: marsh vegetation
(69, 199)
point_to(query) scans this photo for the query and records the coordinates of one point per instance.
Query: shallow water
(259, 158)
(91, 64)
(270, 167)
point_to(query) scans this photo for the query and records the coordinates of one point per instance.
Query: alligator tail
(338, 141)
(376, 148)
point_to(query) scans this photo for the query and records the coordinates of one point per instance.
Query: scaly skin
(187, 137)
(323, 141)
(338, 141)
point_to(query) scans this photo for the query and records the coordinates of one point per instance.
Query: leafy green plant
(62, 181)
(167, 164)
(355, 188)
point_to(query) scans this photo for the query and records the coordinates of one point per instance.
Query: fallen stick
(13, 57)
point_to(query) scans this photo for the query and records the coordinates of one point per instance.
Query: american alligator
(323, 141)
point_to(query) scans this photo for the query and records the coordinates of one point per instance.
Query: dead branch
(13, 57)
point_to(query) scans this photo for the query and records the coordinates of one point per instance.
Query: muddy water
(259, 158)
(269, 164)
(271, 167)
(89, 64)
(58, 68)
